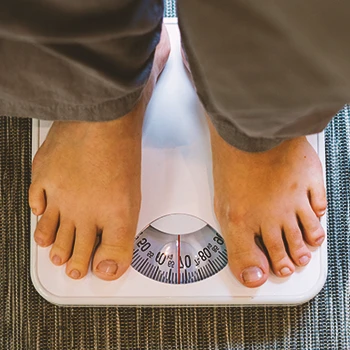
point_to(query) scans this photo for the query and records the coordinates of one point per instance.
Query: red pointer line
(178, 259)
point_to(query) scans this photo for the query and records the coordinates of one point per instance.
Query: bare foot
(276, 197)
(86, 182)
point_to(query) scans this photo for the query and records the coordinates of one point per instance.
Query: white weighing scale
(179, 255)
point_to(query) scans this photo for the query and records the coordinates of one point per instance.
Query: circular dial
(179, 259)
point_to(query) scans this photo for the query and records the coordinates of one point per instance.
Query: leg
(86, 175)
(85, 62)
(267, 74)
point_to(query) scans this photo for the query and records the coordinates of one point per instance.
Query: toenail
(56, 260)
(304, 260)
(39, 241)
(285, 271)
(252, 274)
(74, 274)
(108, 267)
(320, 240)
(34, 211)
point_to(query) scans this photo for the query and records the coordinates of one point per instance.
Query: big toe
(114, 254)
(246, 260)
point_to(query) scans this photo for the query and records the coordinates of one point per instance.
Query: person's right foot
(277, 197)
(86, 181)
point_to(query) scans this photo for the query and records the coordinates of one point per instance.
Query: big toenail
(286, 271)
(304, 260)
(74, 274)
(108, 267)
(320, 240)
(252, 274)
(56, 260)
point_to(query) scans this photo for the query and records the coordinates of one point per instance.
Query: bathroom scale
(179, 256)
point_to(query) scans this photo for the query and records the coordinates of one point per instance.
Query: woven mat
(27, 321)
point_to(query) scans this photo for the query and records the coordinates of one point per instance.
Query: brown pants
(265, 70)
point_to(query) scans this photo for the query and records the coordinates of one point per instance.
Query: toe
(46, 229)
(63, 245)
(113, 256)
(311, 227)
(85, 237)
(297, 248)
(318, 200)
(246, 260)
(37, 200)
(280, 262)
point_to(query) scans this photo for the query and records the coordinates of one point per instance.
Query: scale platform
(179, 255)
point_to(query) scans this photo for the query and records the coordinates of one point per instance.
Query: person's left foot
(274, 198)
(268, 205)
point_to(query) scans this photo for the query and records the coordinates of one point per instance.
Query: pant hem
(241, 141)
(104, 111)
